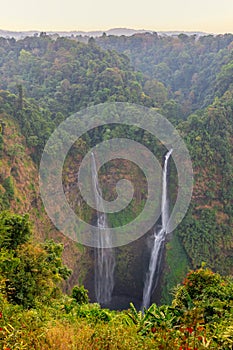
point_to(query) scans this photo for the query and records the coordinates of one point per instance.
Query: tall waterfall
(158, 240)
(104, 257)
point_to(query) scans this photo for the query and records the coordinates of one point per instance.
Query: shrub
(80, 294)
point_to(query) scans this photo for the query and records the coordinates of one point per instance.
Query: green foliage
(80, 294)
(54, 260)
(192, 69)
(94, 313)
(9, 187)
(14, 230)
(209, 138)
(205, 286)
(8, 194)
(177, 265)
(200, 318)
(30, 272)
(35, 123)
(76, 76)
(204, 301)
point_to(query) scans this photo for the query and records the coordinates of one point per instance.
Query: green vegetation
(28, 270)
(35, 314)
(43, 81)
(192, 70)
(7, 193)
(177, 265)
(200, 317)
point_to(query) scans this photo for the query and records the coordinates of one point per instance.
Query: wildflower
(0, 314)
(190, 330)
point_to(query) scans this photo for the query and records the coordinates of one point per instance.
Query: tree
(31, 272)
(20, 97)
(14, 230)
(157, 91)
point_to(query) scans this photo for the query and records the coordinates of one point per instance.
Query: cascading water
(159, 238)
(104, 257)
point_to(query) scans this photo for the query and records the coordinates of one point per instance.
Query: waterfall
(104, 257)
(158, 240)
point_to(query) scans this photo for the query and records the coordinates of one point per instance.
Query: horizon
(210, 16)
(97, 30)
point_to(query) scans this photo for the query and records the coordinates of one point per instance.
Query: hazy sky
(204, 15)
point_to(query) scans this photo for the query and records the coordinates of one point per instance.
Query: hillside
(195, 85)
(64, 75)
(19, 183)
(194, 69)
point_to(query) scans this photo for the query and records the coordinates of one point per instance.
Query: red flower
(153, 330)
(1, 329)
(189, 329)
(0, 314)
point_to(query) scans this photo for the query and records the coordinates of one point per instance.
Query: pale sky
(214, 16)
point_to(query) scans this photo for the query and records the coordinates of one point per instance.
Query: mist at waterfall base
(105, 259)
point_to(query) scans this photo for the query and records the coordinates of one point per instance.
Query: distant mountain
(114, 31)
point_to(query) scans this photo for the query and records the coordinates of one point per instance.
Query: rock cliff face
(130, 259)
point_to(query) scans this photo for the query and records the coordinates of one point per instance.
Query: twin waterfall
(159, 238)
(104, 257)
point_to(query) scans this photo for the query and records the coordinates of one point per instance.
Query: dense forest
(189, 80)
(194, 70)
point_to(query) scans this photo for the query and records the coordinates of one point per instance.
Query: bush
(80, 294)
